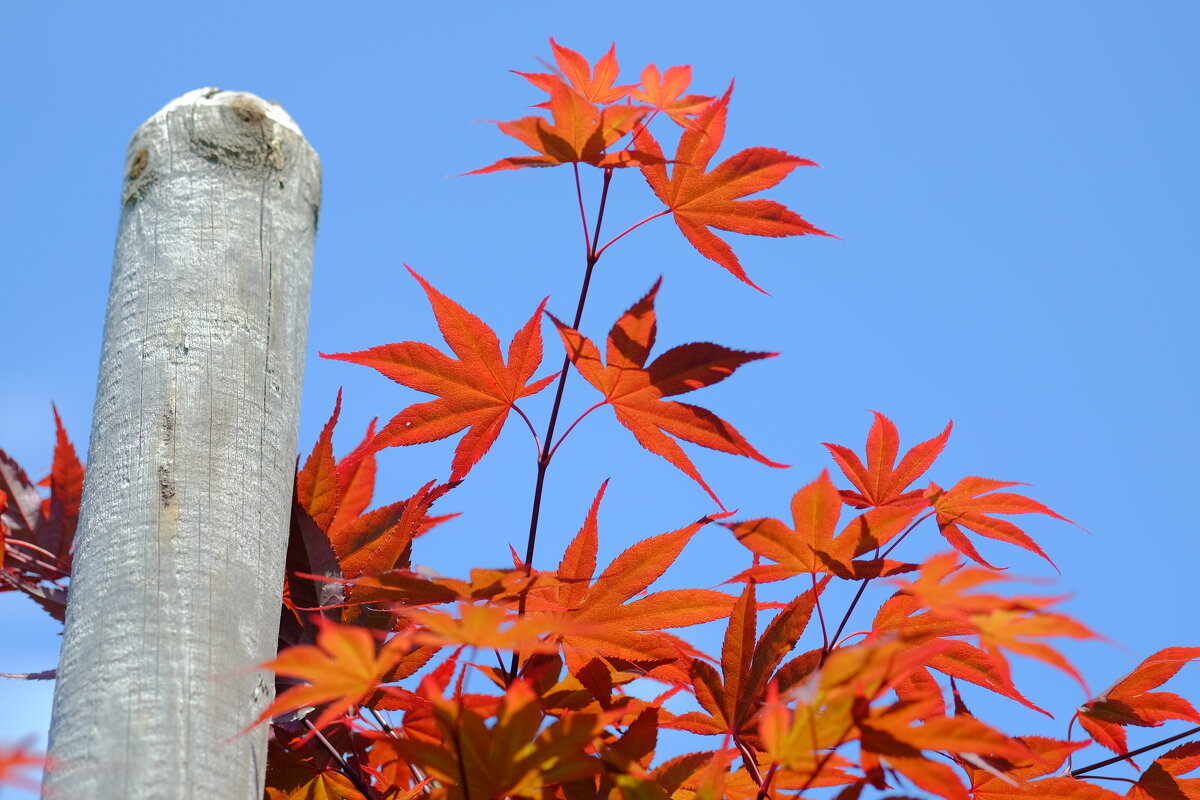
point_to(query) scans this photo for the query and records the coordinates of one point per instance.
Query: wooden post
(183, 530)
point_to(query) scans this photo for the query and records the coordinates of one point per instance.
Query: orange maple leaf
(61, 510)
(476, 391)
(17, 759)
(969, 505)
(731, 700)
(350, 540)
(355, 477)
(580, 134)
(37, 536)
(1001, 623)
(515, 757)
(701, 200)
(378, 540)
(603, 619)
(882, 481)
(488, 627)
(827, 701)
(1052, 788)
(900, 732)
(636, 391)
(664, 91)
(993, 777)
(594, 84)
(1163, 780)
(810, 545)
(316, 482)
(340, 670)
(333, 492)
(958, 659)
(295, 774)
(1129, 701)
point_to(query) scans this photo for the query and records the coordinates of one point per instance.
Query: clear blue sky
(1014, 185)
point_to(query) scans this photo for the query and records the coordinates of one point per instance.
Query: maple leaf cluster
(877, 709)
(394, 683)
(800, 707)
(590, 116)
(37, 534)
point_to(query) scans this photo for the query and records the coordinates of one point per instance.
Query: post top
(245, 104)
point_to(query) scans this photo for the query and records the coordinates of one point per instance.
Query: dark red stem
(862, 588)
(1075, 773)
(543, 462)
(350, 772)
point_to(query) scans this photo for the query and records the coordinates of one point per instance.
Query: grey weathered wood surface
(183, 530)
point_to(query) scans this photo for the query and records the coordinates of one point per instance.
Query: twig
(1075, 773)
(350, 772)
(543, 463)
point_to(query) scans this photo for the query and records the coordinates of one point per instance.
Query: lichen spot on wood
(137, 165)
(138, 176)
(166, 487)
(247, 110)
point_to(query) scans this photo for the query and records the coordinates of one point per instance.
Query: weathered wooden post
(183, 531)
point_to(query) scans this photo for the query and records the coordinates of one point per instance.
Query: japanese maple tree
(583, 666)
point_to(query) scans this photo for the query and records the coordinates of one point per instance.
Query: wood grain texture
(183, 530)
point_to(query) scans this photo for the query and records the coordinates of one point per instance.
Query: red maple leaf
(476, 391)
(16, 760)
(1163, 780)
(1129, 701)
(665, 92)
(379, 540)
(810, 545)
(701, 199)
(521, 753)
(636, 391)
(994, 777)
(580, 134)
(594, 84)
(61, 510)
(899, 734)
(38, 535)
(970, 504)
(732, 699)
(606, 621)
(343, 668)
(1015, 624)
(882, 481)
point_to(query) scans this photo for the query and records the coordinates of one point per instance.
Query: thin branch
(849, 636)
(593, 254)
(1075, 773)
(29, 562)
(456, 733)
(901, 537)
(764, 789)
(1130, 781)
(820, 767)
(537, 443)
(572, 427)
(543, 462)
(349, 771)
(582, 212)
(383, 723)
(630, 230)
(863, 587)
(845, 618)
(820, 613)
(30, 546)
(417, 773)
(749, 761)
